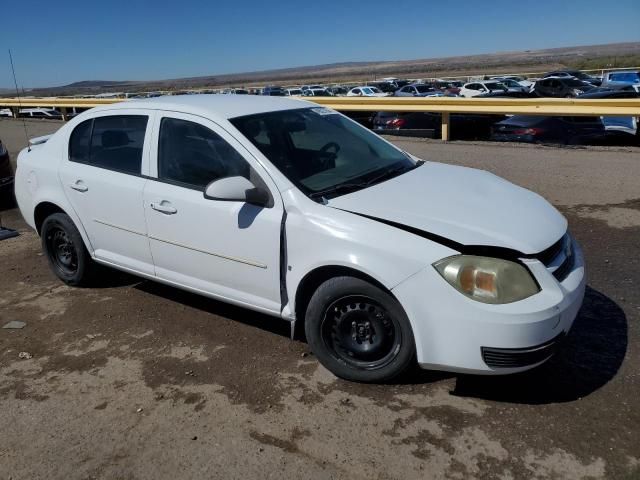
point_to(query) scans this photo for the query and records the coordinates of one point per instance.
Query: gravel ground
(136, 380)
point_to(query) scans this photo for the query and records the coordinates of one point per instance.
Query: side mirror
(236, 189)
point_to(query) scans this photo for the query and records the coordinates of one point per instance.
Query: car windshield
(424, 88)
(322, 152)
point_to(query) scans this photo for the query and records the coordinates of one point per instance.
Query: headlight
(486, 279)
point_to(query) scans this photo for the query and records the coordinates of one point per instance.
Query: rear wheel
(65, 250)
(359, 331)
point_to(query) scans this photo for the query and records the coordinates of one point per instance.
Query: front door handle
(79, 186)
(164, 207)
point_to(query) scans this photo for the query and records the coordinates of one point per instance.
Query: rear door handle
(79, 186)
(164, 207)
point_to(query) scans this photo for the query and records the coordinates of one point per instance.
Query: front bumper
(455, 333)
(505, 137)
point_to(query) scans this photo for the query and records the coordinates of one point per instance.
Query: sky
(60, 42)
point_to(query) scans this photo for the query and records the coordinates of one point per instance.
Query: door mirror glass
(236, 189)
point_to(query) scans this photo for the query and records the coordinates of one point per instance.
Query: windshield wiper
(350, 187)
(346, 187)
(392, 172)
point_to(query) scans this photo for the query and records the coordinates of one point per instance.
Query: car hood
(465, 206)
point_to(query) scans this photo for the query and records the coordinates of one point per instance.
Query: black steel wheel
(64, 254)
(65, 250)
(359, 331)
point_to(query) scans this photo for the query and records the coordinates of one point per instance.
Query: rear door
(227, 249)
(103, 177)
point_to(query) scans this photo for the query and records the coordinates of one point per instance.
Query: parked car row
(519, 128)
(555, 84)
(558, 84)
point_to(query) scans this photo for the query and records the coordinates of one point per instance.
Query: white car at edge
(366, 91)
(294, 210)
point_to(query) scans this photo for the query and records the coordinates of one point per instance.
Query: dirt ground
(135, 380)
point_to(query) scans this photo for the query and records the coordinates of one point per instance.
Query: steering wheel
(325, 155)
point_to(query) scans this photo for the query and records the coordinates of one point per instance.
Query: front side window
(322, 152)
(190, 154)
(112, 142)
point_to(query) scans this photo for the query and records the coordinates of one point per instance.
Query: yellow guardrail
(444, 105)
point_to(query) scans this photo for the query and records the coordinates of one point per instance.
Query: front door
(229, 250)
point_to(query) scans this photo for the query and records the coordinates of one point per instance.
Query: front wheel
(65, 250)
(359, 331)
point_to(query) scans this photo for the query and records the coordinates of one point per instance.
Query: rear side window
(80, 141)
(192, 155)
(113, 142)
(624, 77)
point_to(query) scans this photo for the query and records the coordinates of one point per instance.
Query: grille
(547, 256)
(563, 270)
(520, 357)
(559, 258)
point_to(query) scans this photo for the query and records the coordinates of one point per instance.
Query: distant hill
(591, 56)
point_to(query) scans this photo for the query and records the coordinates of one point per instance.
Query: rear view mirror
(237, 189)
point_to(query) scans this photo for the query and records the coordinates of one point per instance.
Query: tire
(65, 250)
(359, 331)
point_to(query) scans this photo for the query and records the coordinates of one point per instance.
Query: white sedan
(366, 91)
(473, 89)
(294, 210)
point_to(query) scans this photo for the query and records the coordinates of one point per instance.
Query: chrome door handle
(79, 186)
(164, 207)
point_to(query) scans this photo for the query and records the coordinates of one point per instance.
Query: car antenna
(15, 82)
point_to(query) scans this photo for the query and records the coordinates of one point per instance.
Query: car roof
(213, 106)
